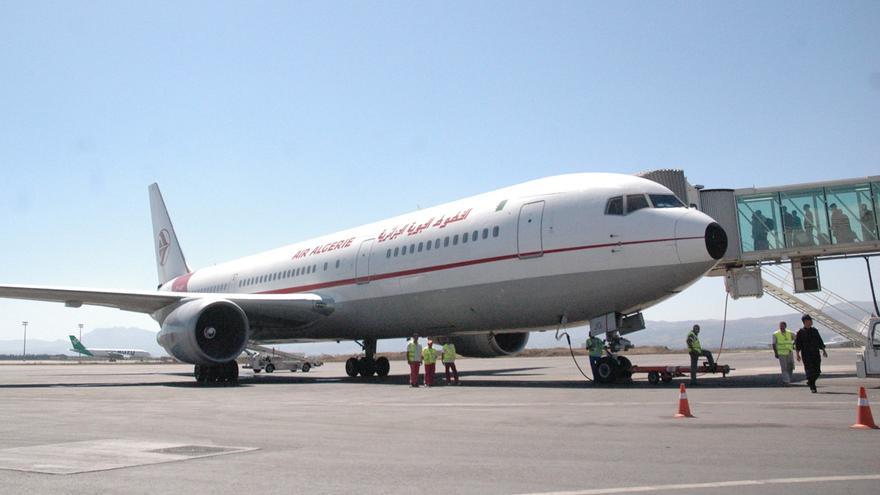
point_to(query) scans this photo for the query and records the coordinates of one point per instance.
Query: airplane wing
(303, 307)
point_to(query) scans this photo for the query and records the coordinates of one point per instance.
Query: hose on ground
(570, 348)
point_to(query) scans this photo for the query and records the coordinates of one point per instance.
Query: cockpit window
(666, 201)
(614, 206)
(635, 202)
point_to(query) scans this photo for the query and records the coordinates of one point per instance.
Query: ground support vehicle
(656, 374)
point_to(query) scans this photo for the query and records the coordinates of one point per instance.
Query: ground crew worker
(448, 358)
(808, 343)
(596, 346)
(429, 356)
(696, 351)
(414, 358)
(783, 345)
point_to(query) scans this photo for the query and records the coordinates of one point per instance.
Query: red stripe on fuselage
(459, 264)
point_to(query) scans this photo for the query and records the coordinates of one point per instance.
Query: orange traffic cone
(684, 410)
(864, 418)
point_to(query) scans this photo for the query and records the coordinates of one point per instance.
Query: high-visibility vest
(412, 353)
(784, 342)
(595, 346)
(693, 343)
(429, 355)
(448, 353)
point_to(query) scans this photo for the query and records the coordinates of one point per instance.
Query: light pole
(24, 348)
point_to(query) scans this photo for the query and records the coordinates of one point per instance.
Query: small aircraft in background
(111, 354)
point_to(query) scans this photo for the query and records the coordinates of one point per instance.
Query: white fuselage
(118, 353)
(513, 259)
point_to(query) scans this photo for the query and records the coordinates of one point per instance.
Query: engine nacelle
(205, 331)
(490, 344)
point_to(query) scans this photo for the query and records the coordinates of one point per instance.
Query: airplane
(482, 272)
(112, 354)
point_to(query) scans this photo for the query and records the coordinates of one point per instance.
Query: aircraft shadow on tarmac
(506, 378)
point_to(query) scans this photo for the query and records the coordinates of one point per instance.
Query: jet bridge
(798, 224)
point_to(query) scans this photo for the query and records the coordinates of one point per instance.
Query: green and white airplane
(111, 354)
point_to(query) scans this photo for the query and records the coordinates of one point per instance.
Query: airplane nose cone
(716, 240)
(699, 239)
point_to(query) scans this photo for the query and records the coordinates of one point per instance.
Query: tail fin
(170, 262)
(78, 347)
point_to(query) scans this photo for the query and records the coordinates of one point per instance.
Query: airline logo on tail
(163, 246)
(78, 347)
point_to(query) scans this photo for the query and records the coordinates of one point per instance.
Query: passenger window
(412, 248)
(314, 268)
(485, 233)
(495, 231)
(475, 235)
(337, 263)
(297, 272)
(388, 253)
(396, 251)
(635, 202)
(614, 206)
(403, 251)
(446, 242)
(437, 244)
(455, 240)
(464, 238)
(428, 245)
(421, 245)
(325, 263)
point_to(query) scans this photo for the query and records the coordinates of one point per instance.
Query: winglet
(78, 347)
(170, 262)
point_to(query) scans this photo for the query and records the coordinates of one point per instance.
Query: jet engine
(205, 332)
(490, 344)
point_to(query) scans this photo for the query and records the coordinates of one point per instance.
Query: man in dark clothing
(807, 344)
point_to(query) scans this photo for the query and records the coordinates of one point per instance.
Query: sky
(266, 123)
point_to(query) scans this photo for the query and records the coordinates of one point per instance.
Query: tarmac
(514, 426)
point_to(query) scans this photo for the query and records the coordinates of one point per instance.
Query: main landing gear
(220, 373)
(367, 365)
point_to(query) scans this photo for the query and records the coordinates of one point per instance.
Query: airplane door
(362, 264)
(528, 241)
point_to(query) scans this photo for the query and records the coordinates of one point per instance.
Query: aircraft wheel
(199, 373)
(605, 371)
(624, 367)
(231, 371)
(306, 367)
(383, 366)
(256, 370)
(351, 367)
(270, 368)
(366, 367)
(653, 377)
(667, 377)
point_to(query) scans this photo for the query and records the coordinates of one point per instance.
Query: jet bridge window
(635, 202)
(614, 206)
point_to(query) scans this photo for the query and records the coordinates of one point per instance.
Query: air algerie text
(324, 248)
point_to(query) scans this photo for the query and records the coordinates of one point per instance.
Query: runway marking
(598, 404)
(715, 484)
